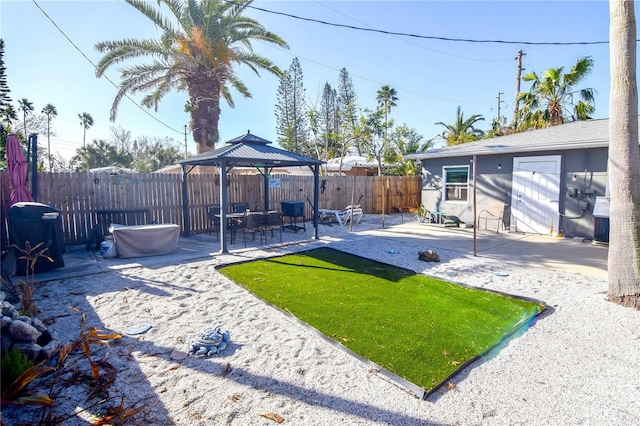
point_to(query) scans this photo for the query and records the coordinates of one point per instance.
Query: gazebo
(246, 151)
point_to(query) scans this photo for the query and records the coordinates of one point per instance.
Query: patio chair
(250, 225)
(239, 207)
(270, 221)
(349, 213)
(214, 221)
(494, 212)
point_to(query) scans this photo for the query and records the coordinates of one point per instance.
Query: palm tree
(26, 107)
(86, 121)
(552, 97)
(407, 141)
(624, 160)
(200, 55)
(100, 153)
(462, 130)
(386, 97)
(50, 111)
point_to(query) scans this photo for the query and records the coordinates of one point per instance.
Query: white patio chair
(493, 212)
(349, 212)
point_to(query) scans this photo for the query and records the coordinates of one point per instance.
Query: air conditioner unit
(601, 220)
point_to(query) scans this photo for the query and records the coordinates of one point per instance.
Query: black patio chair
(239, 207)
(251, 226)
(271, 221)
(214, 221)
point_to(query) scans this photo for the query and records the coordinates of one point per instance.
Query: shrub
(14, 363)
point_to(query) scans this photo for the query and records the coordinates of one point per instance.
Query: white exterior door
(536, 194)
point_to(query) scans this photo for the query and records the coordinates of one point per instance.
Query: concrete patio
(529, 249)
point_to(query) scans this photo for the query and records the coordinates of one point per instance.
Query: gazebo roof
(247, 151)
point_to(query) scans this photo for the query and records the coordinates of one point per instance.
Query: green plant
(421, 211)
(14, 363)
(17, 372)
(30, 255)
(420, 328)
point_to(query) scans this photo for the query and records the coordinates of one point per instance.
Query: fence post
(185, 202)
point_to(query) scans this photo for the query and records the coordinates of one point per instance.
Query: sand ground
(579, 363)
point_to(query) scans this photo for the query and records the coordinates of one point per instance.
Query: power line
(441, 52)
(104, 75)
(295, 55)
(395, 33)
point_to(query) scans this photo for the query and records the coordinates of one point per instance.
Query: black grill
(292, 210)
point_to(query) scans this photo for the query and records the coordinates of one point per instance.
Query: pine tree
(347, 106)
(7, 111)
(328, 120)
(5, 100)
(291, 111)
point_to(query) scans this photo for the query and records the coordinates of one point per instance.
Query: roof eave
(506, 150)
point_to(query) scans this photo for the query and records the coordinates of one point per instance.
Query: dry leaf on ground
(273, 416)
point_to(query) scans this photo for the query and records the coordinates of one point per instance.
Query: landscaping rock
(20, 331)
(28, 334)
(5, 322)
(39, 325)
(51, 349)
(428, 256)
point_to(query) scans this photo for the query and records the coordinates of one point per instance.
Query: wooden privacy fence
(79, 195)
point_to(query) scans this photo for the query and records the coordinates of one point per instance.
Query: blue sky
(431, 77)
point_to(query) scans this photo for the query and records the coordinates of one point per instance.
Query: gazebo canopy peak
(248, 137)
(249, 150)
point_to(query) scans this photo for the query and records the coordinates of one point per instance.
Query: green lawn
(419, 328)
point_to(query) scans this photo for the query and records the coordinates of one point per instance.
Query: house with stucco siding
(544, 181)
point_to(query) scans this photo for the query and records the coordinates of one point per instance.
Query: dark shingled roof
(574, 135)
(247, 151)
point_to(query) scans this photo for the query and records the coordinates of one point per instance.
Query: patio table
(439, 217)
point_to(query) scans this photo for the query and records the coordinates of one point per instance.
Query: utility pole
(499, 102)
(185, 141)
(519, 70)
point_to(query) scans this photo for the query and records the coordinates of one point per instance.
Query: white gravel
(579, 363)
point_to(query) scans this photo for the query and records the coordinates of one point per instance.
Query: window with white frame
(456, 183)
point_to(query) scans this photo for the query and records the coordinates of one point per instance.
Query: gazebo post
(316, 198)
(266, 188)
(224, 201)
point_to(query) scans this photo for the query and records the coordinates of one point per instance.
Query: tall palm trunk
(24, 121)
(624, 159)
(206, 112)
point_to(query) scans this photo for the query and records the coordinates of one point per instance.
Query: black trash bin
(37, 223)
